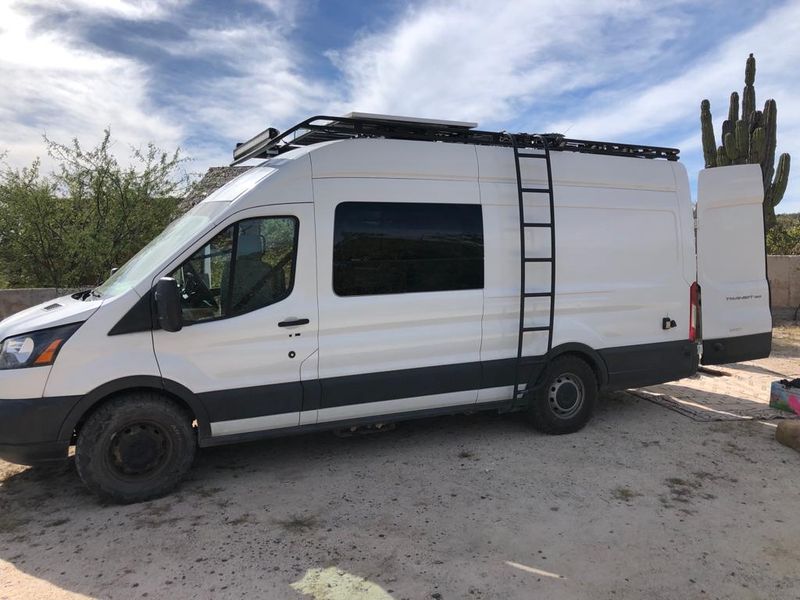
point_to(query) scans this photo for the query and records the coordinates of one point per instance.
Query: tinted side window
(247, 266)
(397, 248)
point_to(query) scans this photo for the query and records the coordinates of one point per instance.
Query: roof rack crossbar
(323, 128)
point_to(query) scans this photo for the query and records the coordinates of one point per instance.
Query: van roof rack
(322, 128)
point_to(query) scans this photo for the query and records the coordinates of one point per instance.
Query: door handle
(293, 322)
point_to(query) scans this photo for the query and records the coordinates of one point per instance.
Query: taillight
(694, 308)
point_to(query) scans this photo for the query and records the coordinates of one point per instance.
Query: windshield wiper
(82, 295)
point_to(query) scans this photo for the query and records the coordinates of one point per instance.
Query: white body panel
(23, 383)
(91, 357)
(624, 251)
(250, 350)
(61, 311)
(731, 267)
(370, 334)
(625, 261)
(393, 331)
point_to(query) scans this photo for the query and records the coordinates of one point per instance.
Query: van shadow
(704, 405)
(243, 504)
(750, 368)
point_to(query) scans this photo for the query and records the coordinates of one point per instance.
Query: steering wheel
(196, 291)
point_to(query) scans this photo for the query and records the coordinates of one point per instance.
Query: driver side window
(247, 266)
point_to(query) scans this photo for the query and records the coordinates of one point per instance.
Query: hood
(52, 313)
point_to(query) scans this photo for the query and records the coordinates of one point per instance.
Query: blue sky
(204, 74)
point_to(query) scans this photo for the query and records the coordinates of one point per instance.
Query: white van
(377, 268)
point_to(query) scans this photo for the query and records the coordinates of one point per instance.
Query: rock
(788, 434)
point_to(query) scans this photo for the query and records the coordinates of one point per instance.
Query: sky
(203, 74)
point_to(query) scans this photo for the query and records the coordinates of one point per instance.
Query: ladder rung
(537, 224)
(543, 328)
(536, 190)
(537, 294)
(538, 259)
(529, 155)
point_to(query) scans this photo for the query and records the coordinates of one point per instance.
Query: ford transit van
(376, 268)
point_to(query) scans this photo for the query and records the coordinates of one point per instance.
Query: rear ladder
(536, 153)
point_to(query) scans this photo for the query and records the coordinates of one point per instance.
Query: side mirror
(168, 304)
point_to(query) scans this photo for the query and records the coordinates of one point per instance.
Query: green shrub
(70, 228)
(784, 236)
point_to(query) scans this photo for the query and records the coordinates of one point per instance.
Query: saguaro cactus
(749, 137)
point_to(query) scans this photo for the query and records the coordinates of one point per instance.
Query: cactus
(770, 145)
(749, 92)
(742, 135)
(707, 126)
(748, 137)
(778, 187)
(756, 147)
(733, 109)
(722, 157)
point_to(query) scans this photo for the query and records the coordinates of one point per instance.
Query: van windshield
(164, 245)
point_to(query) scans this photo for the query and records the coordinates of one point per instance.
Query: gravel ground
(644, 503)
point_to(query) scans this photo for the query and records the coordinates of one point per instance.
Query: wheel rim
(566, 395)
(139, 450)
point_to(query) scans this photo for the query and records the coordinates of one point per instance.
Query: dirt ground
(643, 503)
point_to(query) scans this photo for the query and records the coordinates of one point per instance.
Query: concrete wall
(12, 301)
(784, 278)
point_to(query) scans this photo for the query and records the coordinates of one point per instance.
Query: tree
(70, 228)
(750, 139)
(784, 236)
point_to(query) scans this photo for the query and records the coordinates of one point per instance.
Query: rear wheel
(135, 447)
(565, 400)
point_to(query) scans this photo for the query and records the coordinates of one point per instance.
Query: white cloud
(66, 88)
(671, 108)
(489, 61)
(285, 10)
(265, 85)
(503, 64)
(125, 9)
(54, 86)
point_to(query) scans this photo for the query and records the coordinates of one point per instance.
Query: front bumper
(29, 429)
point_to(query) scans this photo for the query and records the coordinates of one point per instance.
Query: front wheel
(564, 401)
(135, 447)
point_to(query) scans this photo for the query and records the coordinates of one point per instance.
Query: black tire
(135, 447)
(565, 400)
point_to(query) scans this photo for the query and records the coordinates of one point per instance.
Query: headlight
(36, 349)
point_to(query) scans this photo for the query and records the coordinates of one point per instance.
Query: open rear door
(735, 318)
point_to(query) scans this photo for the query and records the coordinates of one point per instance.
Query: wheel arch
(94, 399)
(590, 355)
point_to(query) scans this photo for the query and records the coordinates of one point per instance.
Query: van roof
(322, 128)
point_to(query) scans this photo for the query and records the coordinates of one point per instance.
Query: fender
(88, 401)
(595, 359)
